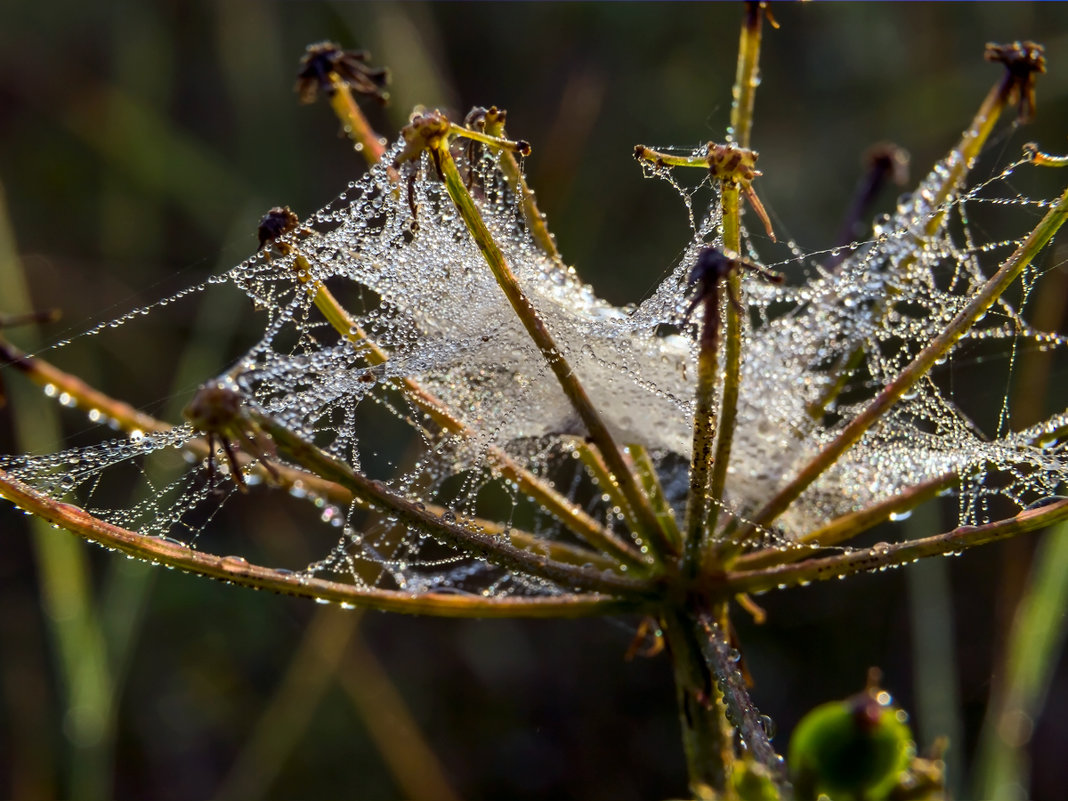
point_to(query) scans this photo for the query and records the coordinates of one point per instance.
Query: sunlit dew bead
(850, 750)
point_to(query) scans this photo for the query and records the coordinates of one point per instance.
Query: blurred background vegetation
(139, 145)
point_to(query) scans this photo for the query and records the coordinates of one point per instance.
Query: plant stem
(732, 357)
(847, 526)
(354, 122)
(707, 736)
(535, 219)
(881, 557)
(698, 500)
(747, 76)
(722, 660)
(646, 470)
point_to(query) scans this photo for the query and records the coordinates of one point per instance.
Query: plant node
(713, 267)
(737, 165)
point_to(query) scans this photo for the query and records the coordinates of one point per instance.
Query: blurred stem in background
(934, 656)
(1034, 647)
(71, 614)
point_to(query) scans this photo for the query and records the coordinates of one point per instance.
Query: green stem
(602, 476)
(646, 471)
(911, 374)
(747, 75)
(707, 736)
(728, 413)
(704, 434)
(535, 219)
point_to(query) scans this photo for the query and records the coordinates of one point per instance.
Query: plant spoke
(883, 556)
(237, 570)
(450, 530)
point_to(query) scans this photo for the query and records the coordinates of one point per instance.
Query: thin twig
(884, 556)
(237, 570)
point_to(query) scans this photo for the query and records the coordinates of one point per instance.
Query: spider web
(395, 252)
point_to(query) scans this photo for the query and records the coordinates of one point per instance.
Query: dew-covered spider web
(436, 390)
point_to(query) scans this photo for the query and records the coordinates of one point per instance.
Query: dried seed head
(276, 223)
(1023, 60)
(732, 163)
(324, 62)
(887, 160)
(423, 129)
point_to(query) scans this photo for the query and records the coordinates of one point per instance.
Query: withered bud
(887, 160)
(277, 222)
(1023, 61)
(324, 60)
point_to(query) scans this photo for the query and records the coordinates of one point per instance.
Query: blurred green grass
(140, 143)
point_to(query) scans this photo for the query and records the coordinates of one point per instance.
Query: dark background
(139, 145)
